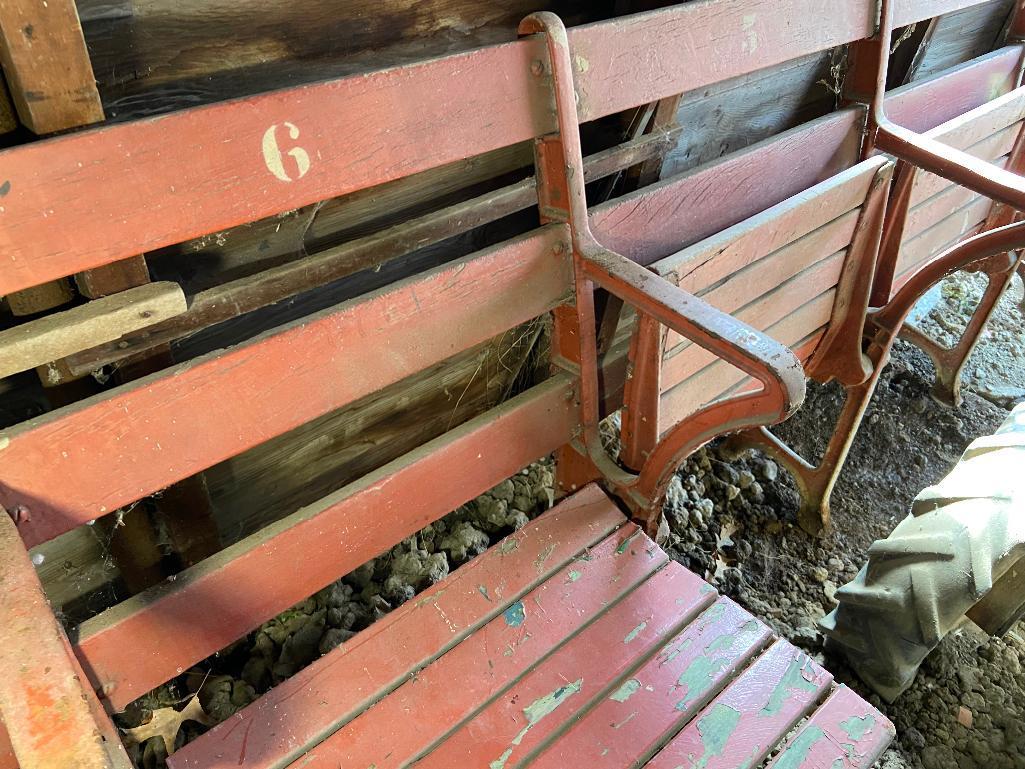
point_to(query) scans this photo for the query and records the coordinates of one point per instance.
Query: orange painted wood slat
(845, 731)
(938, 209)
(932, 241)
(925, 104)
(717, 380)
(743, 724)
(789, 295)
(793, 325)
(469, 676)
(80, 463)
(7, 758)
(584, 670)
(138, 644)
(932, 245)
(660, 220)
(995, 149)
(88, 199)
(630, 723)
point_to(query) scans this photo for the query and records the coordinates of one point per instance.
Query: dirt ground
(732, 522)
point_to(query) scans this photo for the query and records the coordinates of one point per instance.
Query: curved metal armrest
(931, 155)
(751, 351)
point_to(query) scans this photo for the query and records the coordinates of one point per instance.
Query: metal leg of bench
(815, 482)
(949, 362)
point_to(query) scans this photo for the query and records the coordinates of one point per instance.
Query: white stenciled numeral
(275, 159)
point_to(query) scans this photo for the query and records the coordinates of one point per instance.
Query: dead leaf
(964, 717)
(166, 723)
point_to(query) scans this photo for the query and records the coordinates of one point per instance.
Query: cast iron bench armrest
(754, 353)
(926, 153)
(763, 358)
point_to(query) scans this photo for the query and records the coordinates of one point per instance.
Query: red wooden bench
(578, 587)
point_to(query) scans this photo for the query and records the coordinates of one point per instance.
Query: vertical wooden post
(43, 54)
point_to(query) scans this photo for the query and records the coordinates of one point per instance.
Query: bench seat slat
(487, 691)
(993, 148)
(745, 722)
(142, 437)
(844, 730)
(660, 697)
(330, 538)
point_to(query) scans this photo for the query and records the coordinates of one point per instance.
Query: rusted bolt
(559, 248)
(108, 689)
(537, 67)
(20, 514)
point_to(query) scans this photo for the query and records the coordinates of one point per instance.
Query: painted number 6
(274, 158)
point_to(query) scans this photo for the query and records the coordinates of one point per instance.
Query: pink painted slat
(652, 704)
(454, 687)
(845, 731)
(583, 670)
(925, 104)
(718, 380)
(88, 199)
(795, 324)
(344, 682)
(662, 219)
(79, 463)
(949, 230)
(995, 149)
(128, 650)
(744, 723)
(771, 306)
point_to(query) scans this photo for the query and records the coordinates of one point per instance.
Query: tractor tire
(963, 535)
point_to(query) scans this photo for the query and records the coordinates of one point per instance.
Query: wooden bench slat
(791, 325)
(283, 150)
(719, 379)
(727, 253)
(591, 664)
(663, 695)
(924, 104)
(329, 538)
(994, 148)
(772, 305)
(947, 231)
(938, 209)
(752, 715)
(581, 670)
(142, 437)
(53, 336)
(659, 220)
(970, 128)
(844, 729)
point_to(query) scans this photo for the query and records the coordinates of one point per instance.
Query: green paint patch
(534, 712)
(509, 545)
(515, 615)
(715, 729)
(573, 576)
(625, 544)
(632, 635)
(792, 680)
(856, 727)
(626, 691)
(697, 679)
(797, 751)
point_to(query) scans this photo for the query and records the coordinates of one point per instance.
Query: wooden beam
(47, 65)
(54, 336)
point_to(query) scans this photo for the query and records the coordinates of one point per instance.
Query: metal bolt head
(537, 67)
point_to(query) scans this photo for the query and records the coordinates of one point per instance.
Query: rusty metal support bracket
(562, 198)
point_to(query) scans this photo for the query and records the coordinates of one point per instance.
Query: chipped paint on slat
(703, 671)
(515, 615)
(632, 635)
(800, 675)
(716, 727)
(626, 691)
(857, 726)
(534, 712)
(797, 751)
